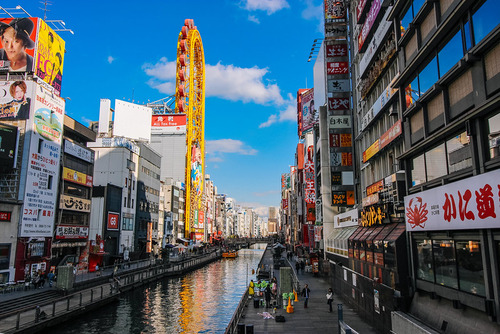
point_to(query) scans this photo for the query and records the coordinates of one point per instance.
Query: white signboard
(339, 122)
(132, 121)
(338, 86)
(472, 203)
(117, 142)
(382, 100)
(43, 168)
(346, 219)
(78, 151)
(72, 203)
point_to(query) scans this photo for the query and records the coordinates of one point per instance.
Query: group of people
(306, 292)
(300, 265)
(38, 279)
(267, 288)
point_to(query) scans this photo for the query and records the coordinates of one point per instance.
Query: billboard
(132, 121)
(15, 99)
(45, 126)
(308, 111)
(17, 57)
(168, 124)
(8, 145)
(49, 56)
(113, 220)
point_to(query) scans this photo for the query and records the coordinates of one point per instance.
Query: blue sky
(256, 59)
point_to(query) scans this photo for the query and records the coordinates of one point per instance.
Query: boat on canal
(230, 255)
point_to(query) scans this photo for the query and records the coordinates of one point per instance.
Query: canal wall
(87, 295)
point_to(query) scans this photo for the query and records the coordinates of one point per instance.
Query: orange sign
(77, 177)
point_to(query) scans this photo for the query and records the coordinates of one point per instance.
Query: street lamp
(315, 48)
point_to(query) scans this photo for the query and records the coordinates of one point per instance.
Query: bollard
(241, 329)
(340, 315)
(249, 329)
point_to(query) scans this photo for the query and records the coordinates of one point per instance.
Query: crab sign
(417, 214)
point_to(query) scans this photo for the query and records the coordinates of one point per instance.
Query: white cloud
(253, 18)
(228, 146)
(287, 113)
(228, 82)
(313, 12)
(110, 59)
(270, 6)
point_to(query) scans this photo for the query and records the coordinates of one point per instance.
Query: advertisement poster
(15, 99)
(308, 111)
(8, 145)
(43, 172)
(196, 169)
(50, 57)
(18, 59)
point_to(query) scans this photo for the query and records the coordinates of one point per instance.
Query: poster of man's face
(18, 40)
(15, 99)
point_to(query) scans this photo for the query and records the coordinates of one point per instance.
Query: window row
(128, 204)
(149, 172)
(78, 165)
(450, 156)
(484, 20)
(456, 264)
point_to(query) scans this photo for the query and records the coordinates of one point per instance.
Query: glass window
(4, 256)
(418, 171)
(406, 20)
(494, 135)
(467, 36)
(485, 19)
(459, 154)
(417, 5)
(428, 76)
(425, 268)
(76, 190)
(435, 162)
(470, 267)
(445, 263)
(450, 54)
(412, 93)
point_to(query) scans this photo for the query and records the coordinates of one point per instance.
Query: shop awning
(346, 233)
(374, 232)
(385, 231)
(399, 230)
(359, 230)
(362, 236)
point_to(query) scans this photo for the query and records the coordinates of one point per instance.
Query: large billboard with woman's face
(28, 44)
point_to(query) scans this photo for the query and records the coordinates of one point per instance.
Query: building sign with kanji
(372, 216)
(339, 122)
(336, 50)
(338, 103)
(337, 67)
(472, 203)
(339, 86)
(310, 192)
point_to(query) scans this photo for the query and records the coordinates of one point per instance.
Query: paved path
(315, 319)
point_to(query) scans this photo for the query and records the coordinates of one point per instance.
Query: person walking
(51, 277)
(267, 293)
(302, 266)
(329, 299)
(297, 266)
(305, 293)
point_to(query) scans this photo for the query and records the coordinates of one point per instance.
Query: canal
(202, 301)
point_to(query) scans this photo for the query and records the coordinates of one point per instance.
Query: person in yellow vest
(251, 288)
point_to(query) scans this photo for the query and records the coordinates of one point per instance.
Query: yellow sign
(372, 216)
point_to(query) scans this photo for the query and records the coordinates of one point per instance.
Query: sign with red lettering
(473, 203)
(113, 220)
(338, 103)
(336, 50)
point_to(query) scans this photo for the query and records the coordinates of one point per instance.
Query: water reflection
(200, 302)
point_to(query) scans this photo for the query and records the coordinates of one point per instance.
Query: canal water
(202, 301)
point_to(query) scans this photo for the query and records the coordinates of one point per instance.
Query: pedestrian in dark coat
(267, 293)
(305, 293)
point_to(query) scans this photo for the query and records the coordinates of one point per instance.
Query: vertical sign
(310, 192)
(42, 177)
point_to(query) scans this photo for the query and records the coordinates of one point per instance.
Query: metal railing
(233, 324)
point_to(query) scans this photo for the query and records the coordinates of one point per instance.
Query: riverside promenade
(316, 318)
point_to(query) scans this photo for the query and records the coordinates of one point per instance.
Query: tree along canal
(202, 301)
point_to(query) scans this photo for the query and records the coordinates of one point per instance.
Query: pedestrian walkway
(316, 318)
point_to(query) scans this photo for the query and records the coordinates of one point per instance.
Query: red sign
(336, 50)
(338, 103)
(168, 120)
(360, 9)
(310, 194)
(337, 67)
(5, 216)
(374, 188)
(370, 20)
(391, 134)
(113, 220)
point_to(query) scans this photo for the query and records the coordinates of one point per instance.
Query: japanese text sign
(472, 203)
(337, 67)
